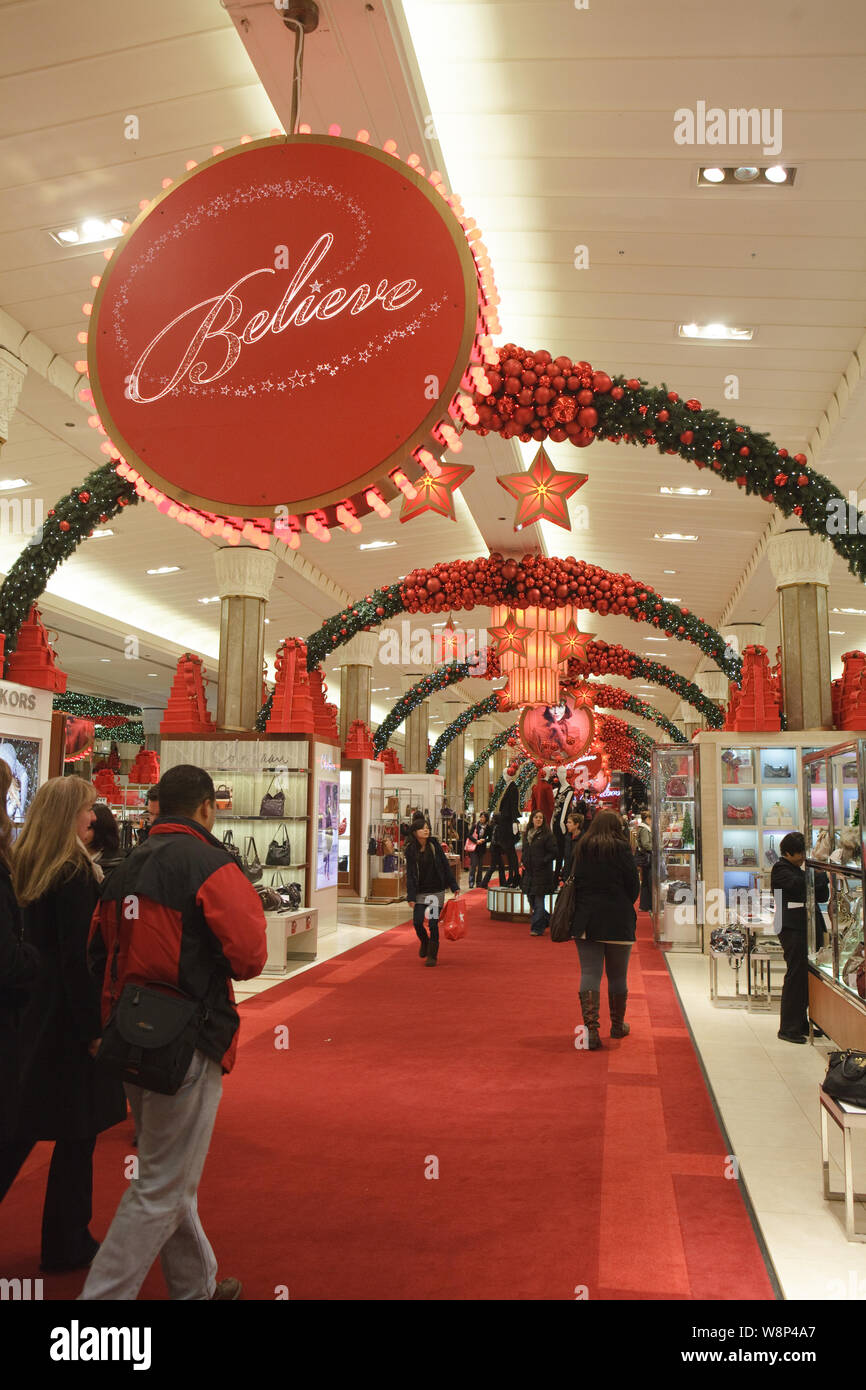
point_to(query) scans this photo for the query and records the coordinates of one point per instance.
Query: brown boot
(618, 1026)
(590, 1001)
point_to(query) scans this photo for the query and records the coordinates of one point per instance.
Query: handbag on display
(728, 941)
(229, 844)
(252, 865)
(739, 813)
(748, 859)
(280, 850)
(392, 805)
(846, 1077)
(372, 845)
(223, 798)
(774, 773)
(770, 852)
(677, 786)
(273, 803)
(270, 899)
(562, 916)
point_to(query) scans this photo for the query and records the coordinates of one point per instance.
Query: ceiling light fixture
(90, 230)
(860, 612)
(10, 484)
(655, 639)
(673, 536)
(165, 569)
(834, 632)
(99, 535)
(746, 176)
(685, 491)
(712, 175)
(669, 571)
(376, 545)
(715, 332)
(776, 174)
(666, 598)
(746, 173)
(215, 598)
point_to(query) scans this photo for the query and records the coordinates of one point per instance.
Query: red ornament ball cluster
(536, 581)
(537, 396)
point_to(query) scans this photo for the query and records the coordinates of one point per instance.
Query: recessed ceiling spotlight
(746, 173)
(834, 632)
(712, 175)
(776, 174)
(100, 535)
(152, 673)
(376, 545)
(685, 491)
(672, 536)
(105, 658)
(10, 484)
(860, 612)
(715, 332)
(655, 639)
(669, 571)
(667, 599)
(165, 569)
(215, 598)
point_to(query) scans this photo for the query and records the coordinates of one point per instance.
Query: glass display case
(344, 840)
(834, 870)
(676, 849)
(760, 804)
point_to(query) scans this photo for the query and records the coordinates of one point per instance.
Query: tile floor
(766, 1093)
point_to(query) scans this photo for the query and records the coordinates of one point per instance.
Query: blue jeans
(540, 915)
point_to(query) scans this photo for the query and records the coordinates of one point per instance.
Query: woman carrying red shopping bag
(428, 877)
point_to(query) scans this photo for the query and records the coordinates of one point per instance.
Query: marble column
(483, 732)
(455, 771)
(244, 578)
(415, 729)
(357, 659)
(501, 759)
(12, 374)
(801, 568)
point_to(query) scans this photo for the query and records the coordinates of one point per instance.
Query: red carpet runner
(558, 1170)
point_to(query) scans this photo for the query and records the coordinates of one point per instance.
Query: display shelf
(675, 857)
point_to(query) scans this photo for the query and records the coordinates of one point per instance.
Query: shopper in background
(788, 882)
(199, 924)
(644, 860)
(150, 814)
(574, 830)
(64, 1096)
(103, 839)
(18, 967)
(537, 869)
(606, 884)
(503, 856)
(479, 835)
(428, 876)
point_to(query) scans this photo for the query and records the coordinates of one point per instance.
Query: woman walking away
(478, 835)
(64, 1096)
(539, 875)
(18, 967)
(574, 829)
(428, 876)
(606, 884)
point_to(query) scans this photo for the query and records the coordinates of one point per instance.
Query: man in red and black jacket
(176, 911)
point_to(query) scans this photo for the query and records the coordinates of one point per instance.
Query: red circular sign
(556, 733)
(283, 326)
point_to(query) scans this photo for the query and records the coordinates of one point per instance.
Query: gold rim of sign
(250, 511)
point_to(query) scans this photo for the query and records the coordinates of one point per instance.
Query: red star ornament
(572, 642)
(450, 640)
(583, 695)
(510, 637)
(542, 492)
(436, 494)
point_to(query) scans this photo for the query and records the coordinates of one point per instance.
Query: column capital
(360, 650)
(713, 684)
(797, 557)
(244, 571)
(743, 635)
(482, 731)
(12, 374)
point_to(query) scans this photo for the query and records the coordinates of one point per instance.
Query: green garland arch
(498, 741)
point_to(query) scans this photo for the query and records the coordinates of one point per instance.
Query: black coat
(568, 861)
(789, 880)
(508, 812)
(537, 863)
(18, 966)
(605, 889)
(64, 1095)
(443, 871)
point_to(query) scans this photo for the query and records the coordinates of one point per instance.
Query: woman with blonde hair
(18, 963)
(64, 1097)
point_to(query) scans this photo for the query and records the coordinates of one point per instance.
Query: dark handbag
(273, 803)
(270, 899)
(846, 1077)
(280, 851)
(229, 844)
(150, 1038)
(562, 916)
(223, 797)
(252, 865)
(127, 836)
(776, 772)
(289, 895)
